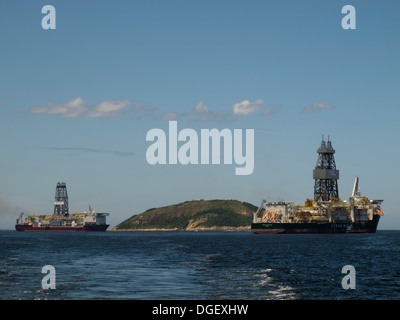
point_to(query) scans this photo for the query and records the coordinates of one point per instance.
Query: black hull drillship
(327, 213)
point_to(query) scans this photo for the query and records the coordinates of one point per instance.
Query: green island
(204, 215)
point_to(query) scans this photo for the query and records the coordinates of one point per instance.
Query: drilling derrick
(325, 173)
(61, 200)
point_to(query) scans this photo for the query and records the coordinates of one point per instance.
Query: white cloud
(108, 108)
(199, 112)
(168, 116)
(77, 107)
(70, 109)
(201, 107)
(318, 106)
(246, 107)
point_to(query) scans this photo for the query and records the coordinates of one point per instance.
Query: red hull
(21, 227)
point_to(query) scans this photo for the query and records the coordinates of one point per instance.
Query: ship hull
(86, 228)
(316, 228)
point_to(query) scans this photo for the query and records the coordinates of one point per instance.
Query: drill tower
(325, 173)
(61, 200)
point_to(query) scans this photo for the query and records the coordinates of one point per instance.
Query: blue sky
(76, 102)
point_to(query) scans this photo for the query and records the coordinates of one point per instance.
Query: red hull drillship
(61, 219)
(91, 221)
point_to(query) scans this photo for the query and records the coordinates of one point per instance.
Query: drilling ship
(327, 213)
(61, 219)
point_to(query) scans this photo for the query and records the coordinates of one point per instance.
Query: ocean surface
(198, 265)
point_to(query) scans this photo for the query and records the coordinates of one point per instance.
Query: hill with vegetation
(193, 215)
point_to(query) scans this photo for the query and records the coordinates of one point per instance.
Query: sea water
(198, 265)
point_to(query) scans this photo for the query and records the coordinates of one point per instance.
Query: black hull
(316, 228)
